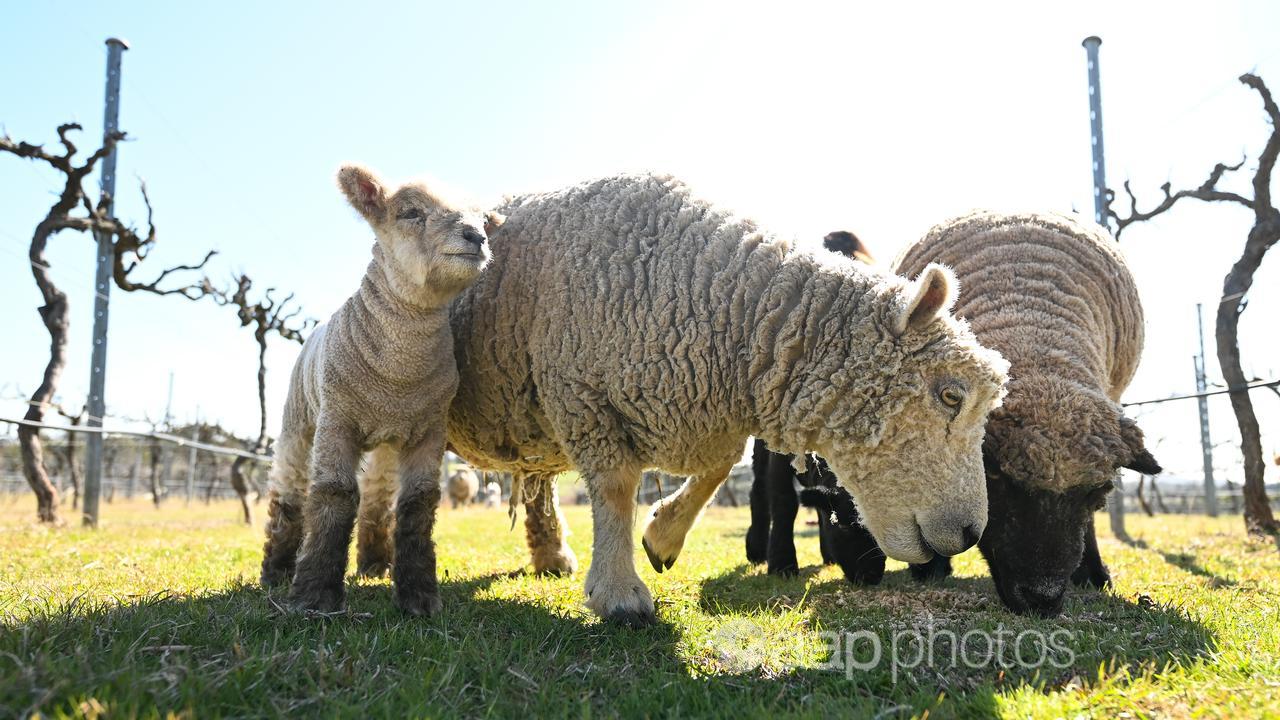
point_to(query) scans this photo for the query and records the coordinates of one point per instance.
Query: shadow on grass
(496, 649)
(960, 621)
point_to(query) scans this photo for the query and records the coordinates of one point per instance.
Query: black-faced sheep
(626, 324)
(1056, 298)
(378, 376)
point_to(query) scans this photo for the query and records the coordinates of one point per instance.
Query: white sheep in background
(378, 376)
(463, 486)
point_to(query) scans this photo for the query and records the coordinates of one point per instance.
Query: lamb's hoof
(373, 569)
(756, 552)
(558, 564)
(865, 577)
(936, 569)
(320, 599)
(276, 577)
(658, 563)
(785, 569)
(419, 604)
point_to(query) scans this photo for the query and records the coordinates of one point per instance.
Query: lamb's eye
(410, 214)
(951, 396)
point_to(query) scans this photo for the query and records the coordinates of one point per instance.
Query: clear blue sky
(808, 116)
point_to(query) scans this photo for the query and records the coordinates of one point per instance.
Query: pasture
(159, 613)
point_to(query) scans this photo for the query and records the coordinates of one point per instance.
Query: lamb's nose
(971, 535)
(474, 237)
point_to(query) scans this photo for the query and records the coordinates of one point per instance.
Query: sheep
(377, 377)
(463, 486)
(492, 494)
(775, 502)
(627, 324)
(1056, 298)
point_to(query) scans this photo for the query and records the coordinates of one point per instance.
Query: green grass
(158, 613)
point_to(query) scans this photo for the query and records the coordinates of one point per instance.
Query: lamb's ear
(930, 294)
(1142, 460)
(493, 221)
(364, 191)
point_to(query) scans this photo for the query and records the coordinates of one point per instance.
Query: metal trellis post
(1206, 444)
(102, 292)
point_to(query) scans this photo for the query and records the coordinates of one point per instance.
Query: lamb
(1056, 298)
(775, 502)
(463, 486)
(627, 324)
(378, 376)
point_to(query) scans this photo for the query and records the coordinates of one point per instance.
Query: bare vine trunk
(73, 463)
(157, 492)
(1258, 518)
(54, 315)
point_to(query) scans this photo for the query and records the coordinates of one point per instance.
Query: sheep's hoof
(558, 564)
(1090, 575)
(419, 604)
(633, 619)
(373, 569)
(658, 563)
(317, 599)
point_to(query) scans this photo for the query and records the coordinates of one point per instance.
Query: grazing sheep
(626, 324)
(492, 494)
(775, 502)
(463, 486)
(1056, 298)
(378, 376)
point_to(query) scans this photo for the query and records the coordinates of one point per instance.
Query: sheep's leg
(614, 589)
(288, 493)
(375, 521)
(414, 572)
(1092, 572)
(329, 516)
(671, 517)
(544, 528)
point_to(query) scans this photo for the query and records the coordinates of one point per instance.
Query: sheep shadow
(495, 649)
(942, 617)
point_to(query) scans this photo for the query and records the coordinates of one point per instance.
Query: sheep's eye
(951, 396)
(410, 214)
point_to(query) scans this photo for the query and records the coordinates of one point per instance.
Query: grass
(159, 613)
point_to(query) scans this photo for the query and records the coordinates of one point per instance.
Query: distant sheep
(1056, 298)
(626, 325)
(463, 486)
(378, 376)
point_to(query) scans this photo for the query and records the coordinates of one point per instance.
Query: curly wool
(626, 323)
(1057, 299)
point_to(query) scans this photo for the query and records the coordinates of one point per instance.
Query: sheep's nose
(475, 237)
(1043, 600)
(972, 533)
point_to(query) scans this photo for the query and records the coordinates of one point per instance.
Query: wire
(182, 442)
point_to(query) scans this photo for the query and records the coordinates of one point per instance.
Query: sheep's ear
(1142, 460)
(364, 191)
(493, 221)
(930, 294)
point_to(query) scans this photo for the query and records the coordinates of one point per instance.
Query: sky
(879, 118)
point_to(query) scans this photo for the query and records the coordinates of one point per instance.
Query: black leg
(1092, 571)
(783, 506)
(758, 533)
(936, 569)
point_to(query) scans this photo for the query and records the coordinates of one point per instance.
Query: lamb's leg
(544, 528)
(784, 504)
(614, 589)
(1092, 571)
(330, 514)
(375, 521)
(671, 517)
(288, 493)
(414, 572)
(758, 533)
